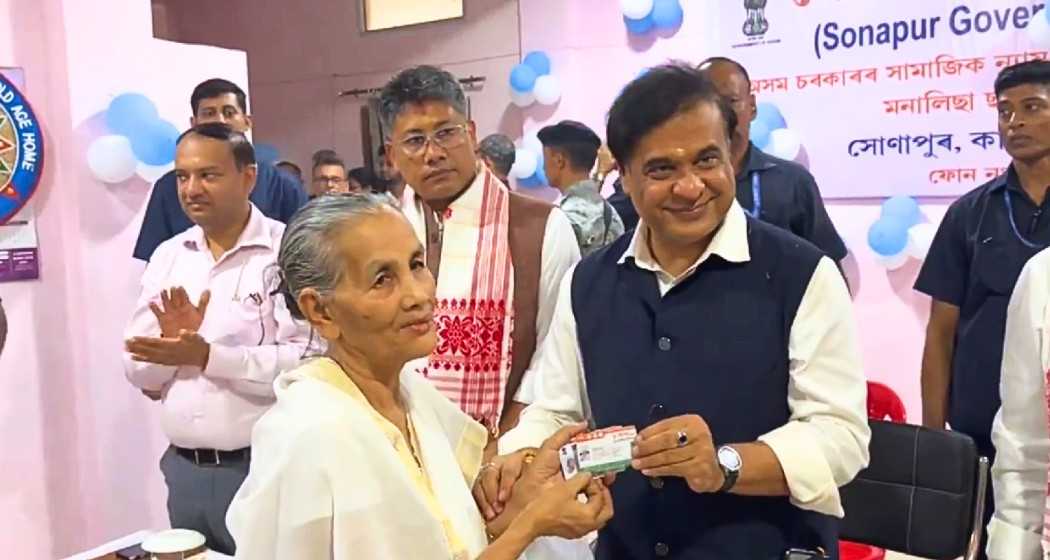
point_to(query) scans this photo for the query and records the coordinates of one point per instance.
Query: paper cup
(176, 544)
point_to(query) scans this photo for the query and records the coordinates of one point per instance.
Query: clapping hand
(176, 313)
(187, 349)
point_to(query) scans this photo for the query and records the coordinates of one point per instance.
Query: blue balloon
(667, 14)
(129, 110)
(536, 180)
(266, 153)
(770, 115)
(153, 142)
(902, 208)
(638, 26)
(523, 78)
(538, 61)
(888, 236)
(760, 133)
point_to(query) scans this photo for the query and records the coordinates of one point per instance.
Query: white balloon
(920, 237)
(522, 99)
(636, 9)
(525, 164)
(547, 90)
(531, 142)
(150, 173)
(1039, 31)
(892, 262)
(784, 144)
(111, 160)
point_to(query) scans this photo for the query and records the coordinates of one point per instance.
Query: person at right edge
(776, 191)
(982, 244)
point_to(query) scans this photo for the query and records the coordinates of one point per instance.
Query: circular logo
(21, 150)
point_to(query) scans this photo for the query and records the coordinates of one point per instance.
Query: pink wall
(83, 445)
(300, 55)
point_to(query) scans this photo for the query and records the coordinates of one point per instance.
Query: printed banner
(888, 97)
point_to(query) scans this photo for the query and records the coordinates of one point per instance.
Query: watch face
(729, 458)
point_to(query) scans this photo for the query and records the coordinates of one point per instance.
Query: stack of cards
(600, 452)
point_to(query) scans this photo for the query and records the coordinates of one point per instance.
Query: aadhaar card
(600, 452)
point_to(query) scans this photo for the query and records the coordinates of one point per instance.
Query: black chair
(922, 494)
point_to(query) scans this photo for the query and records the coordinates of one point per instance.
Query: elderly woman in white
(358, 460)
(1020, 529)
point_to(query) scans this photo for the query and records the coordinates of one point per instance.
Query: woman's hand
(557, 512)
(497, 480)
(492, 489)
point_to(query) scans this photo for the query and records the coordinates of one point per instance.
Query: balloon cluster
(900, 233)
(528, 163)
(642, 16)
(139, 141)
(769, 131)
(532, 81)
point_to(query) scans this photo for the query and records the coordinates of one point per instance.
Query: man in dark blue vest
(728, 342)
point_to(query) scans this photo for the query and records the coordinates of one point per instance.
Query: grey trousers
(198, 496)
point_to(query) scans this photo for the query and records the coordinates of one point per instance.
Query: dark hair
(210, 89)
(322, 154)
(576, 140)
(1035, 72)
(653, 99)
(327, 158)
(363, 176)
(705, 66)
(287, 163)
(418, 85)
(499, 149)
(243, 152)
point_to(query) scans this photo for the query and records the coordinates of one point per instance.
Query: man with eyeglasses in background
(497, 256)
(328, 175)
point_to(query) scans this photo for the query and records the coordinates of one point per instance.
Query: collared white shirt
(825, 442)
(252, 336)
(1019, 433)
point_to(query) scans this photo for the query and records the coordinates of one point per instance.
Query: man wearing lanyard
(207, 334)
(750, 417)
(773, 190)
(276, 195)
(985, 239)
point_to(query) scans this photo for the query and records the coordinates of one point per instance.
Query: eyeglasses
(328, 180)
(446, 137)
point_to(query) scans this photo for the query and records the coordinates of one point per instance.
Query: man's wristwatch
(730, 463)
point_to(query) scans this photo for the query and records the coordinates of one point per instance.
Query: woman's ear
(317, 313)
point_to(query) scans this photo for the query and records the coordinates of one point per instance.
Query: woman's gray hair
(309, 255)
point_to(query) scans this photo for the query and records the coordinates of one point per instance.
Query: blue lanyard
(756, 196)
(1013, 224)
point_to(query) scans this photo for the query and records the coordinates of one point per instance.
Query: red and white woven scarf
(475, 290)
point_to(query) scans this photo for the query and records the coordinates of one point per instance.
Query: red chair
(883, 404)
